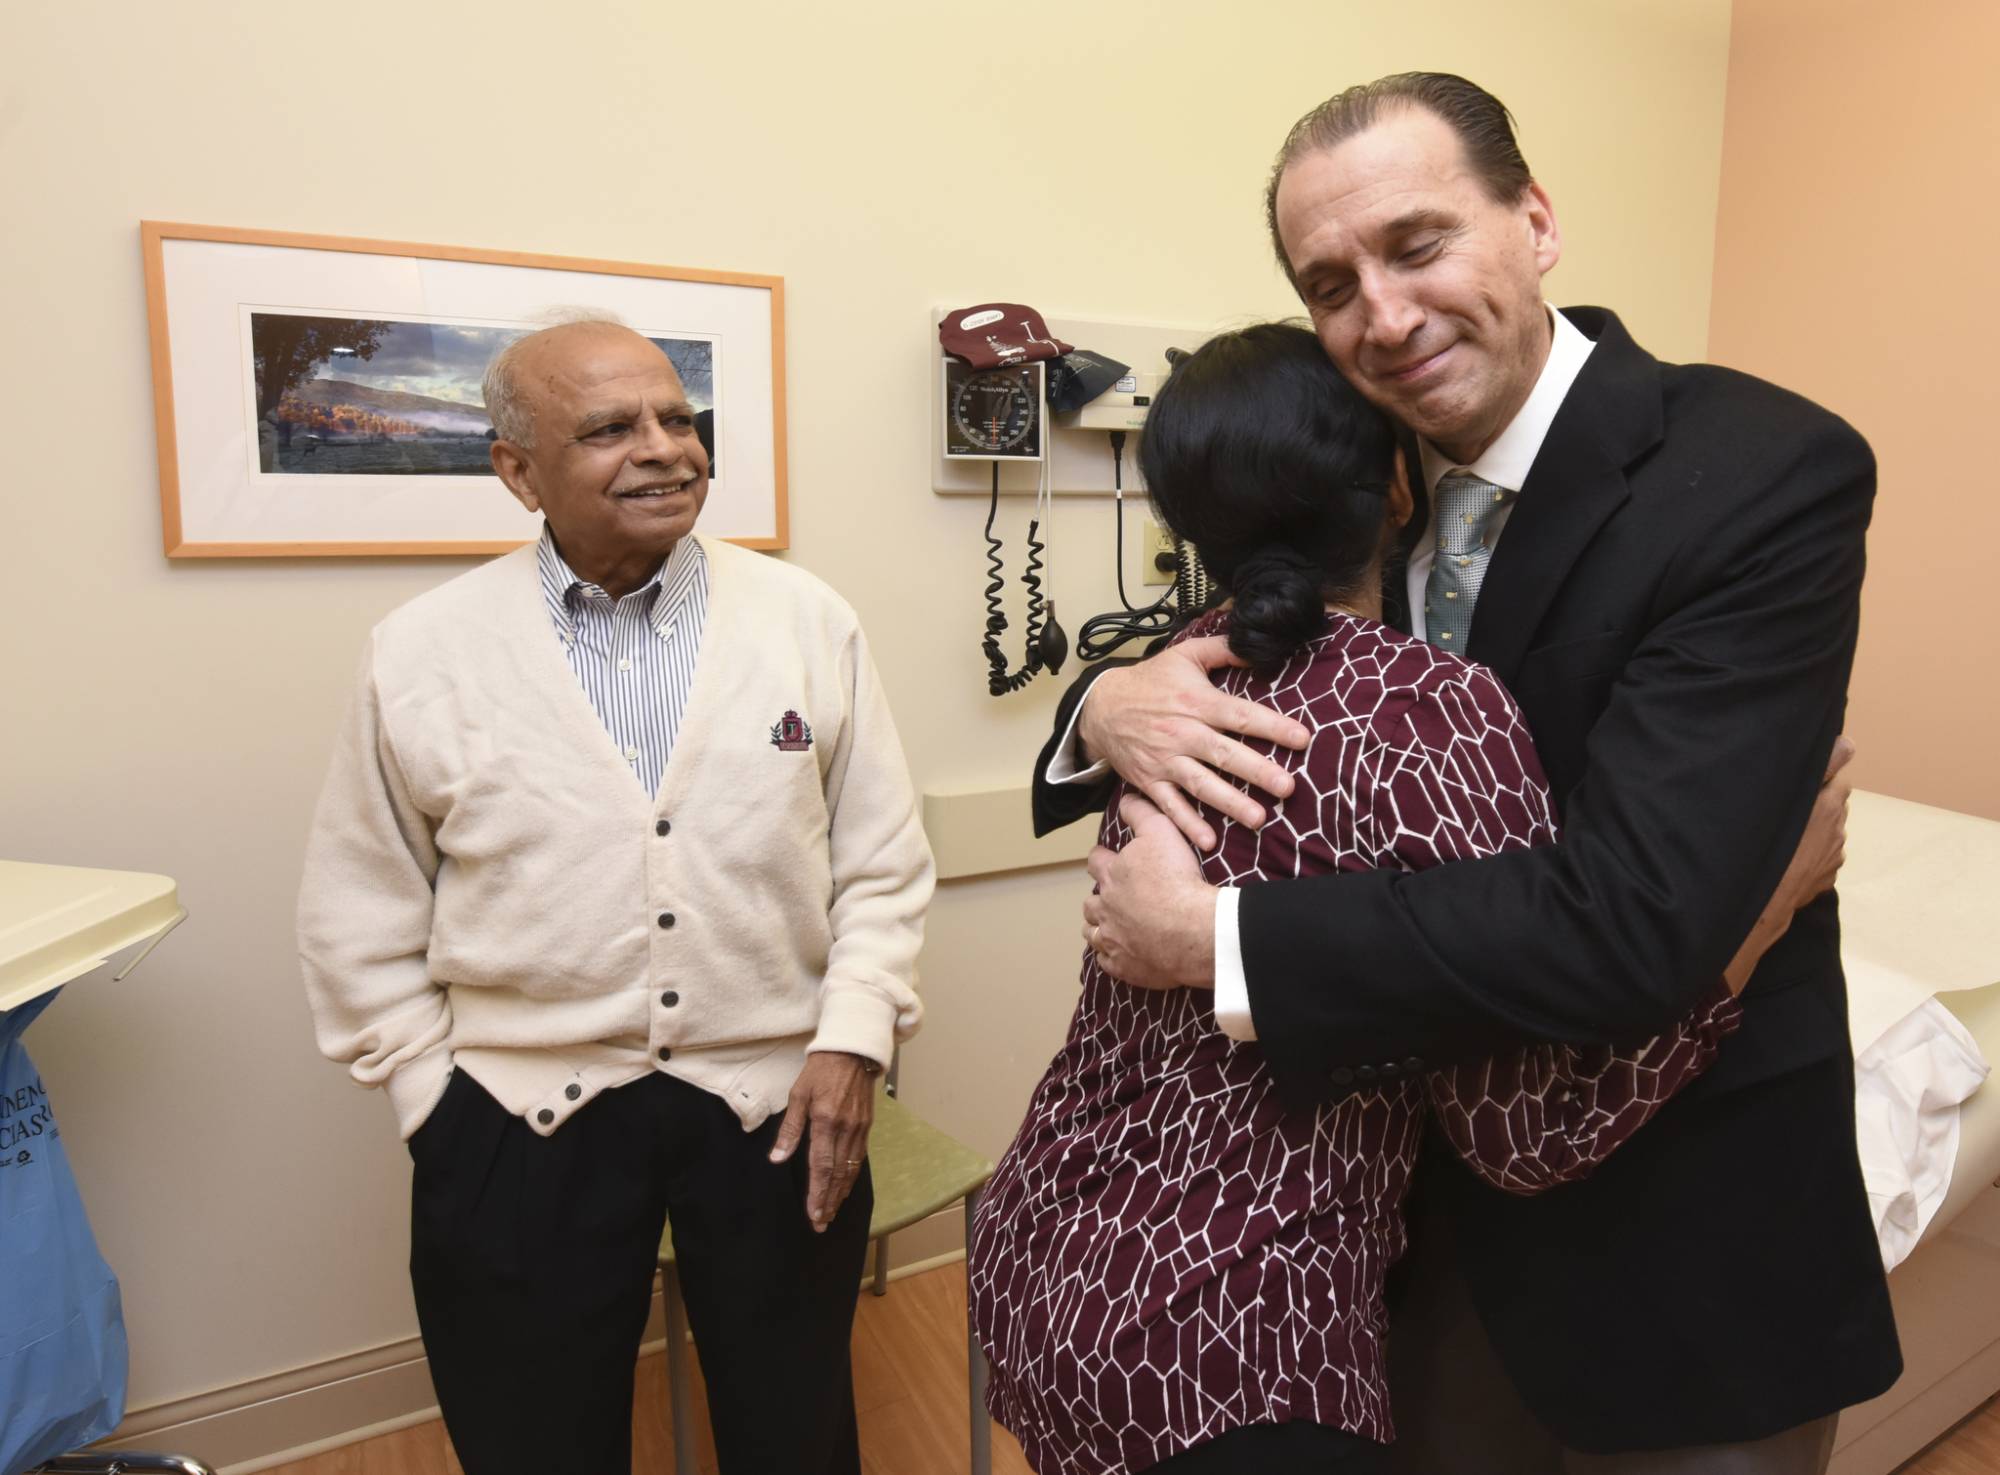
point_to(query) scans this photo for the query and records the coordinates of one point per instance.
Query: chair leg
(975, 1366)
(680, 1400)
(881, 1285)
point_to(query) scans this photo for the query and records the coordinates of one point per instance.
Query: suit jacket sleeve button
(1340, 1075)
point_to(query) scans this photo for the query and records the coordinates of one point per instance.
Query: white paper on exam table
(1909, 1086)
(1919, 909)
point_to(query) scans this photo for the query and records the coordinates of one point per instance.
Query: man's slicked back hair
(1484, 127)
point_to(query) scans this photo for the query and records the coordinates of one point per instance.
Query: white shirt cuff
(1232, 988)
(1062, 767)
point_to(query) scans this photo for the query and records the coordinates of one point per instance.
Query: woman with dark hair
(1170, 1270)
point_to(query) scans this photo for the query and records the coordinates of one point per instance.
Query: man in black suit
(1663, 563)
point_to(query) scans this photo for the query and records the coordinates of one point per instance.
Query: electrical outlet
(1157, 550)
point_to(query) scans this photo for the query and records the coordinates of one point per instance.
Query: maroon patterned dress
(1165, 1252)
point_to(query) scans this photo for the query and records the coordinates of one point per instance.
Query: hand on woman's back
(1171, 735)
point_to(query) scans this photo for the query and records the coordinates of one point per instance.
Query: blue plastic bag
(62, 1331)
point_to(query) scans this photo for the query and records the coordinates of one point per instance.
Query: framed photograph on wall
(319, 396)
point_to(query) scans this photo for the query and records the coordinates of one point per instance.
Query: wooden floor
(909, 1389)
(1973, 1448)
(909, 1386)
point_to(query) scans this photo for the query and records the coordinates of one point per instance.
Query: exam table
(1920, 921)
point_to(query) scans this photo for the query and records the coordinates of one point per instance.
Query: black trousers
(532, 1259)
(1297, 1448)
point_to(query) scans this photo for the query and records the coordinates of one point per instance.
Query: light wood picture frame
(318, 396)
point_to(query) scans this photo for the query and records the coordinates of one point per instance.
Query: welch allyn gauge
(993, 414)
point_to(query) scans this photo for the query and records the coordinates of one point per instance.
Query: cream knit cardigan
(485, 884)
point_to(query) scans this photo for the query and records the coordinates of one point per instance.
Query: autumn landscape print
(375, 396)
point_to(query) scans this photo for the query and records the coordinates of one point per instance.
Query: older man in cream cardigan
(616, 888)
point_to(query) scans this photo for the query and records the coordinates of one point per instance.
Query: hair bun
(1279, 605)
(1272, 560)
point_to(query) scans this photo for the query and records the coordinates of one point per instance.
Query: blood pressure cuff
(1078, 377)
(995, 335)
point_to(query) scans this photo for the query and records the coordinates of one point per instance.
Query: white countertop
(59, 922)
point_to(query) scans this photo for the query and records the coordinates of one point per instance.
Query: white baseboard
(305, 1411)
(337, 1441)
(267, 1421)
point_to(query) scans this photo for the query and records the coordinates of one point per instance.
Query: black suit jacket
(1674, 604)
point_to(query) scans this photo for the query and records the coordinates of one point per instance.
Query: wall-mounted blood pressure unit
(1010, 392)
(996, 410)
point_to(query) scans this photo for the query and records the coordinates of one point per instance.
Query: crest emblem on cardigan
(791, 733)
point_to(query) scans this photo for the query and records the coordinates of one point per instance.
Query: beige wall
(1854, 263)
(177, 717)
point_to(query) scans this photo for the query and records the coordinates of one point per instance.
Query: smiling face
(615, 466)
(1423, 289)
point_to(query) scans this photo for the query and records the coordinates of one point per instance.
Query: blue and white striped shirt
(634, 656)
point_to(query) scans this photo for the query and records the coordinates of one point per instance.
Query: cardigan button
(572, 1090)
(665, 1053)
(666, 919)
(669, 999)
(662, 828)
(545, 1116)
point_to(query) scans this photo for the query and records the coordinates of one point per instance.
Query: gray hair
(506, 405)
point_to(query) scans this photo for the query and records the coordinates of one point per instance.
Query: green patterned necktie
(1465, 508)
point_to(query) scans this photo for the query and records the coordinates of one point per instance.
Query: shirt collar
(1505, 463)
(677, 576)
(686, 569)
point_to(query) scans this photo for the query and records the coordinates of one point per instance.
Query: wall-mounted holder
(1079, 457)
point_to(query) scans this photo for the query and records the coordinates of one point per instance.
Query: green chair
(917, 1171)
